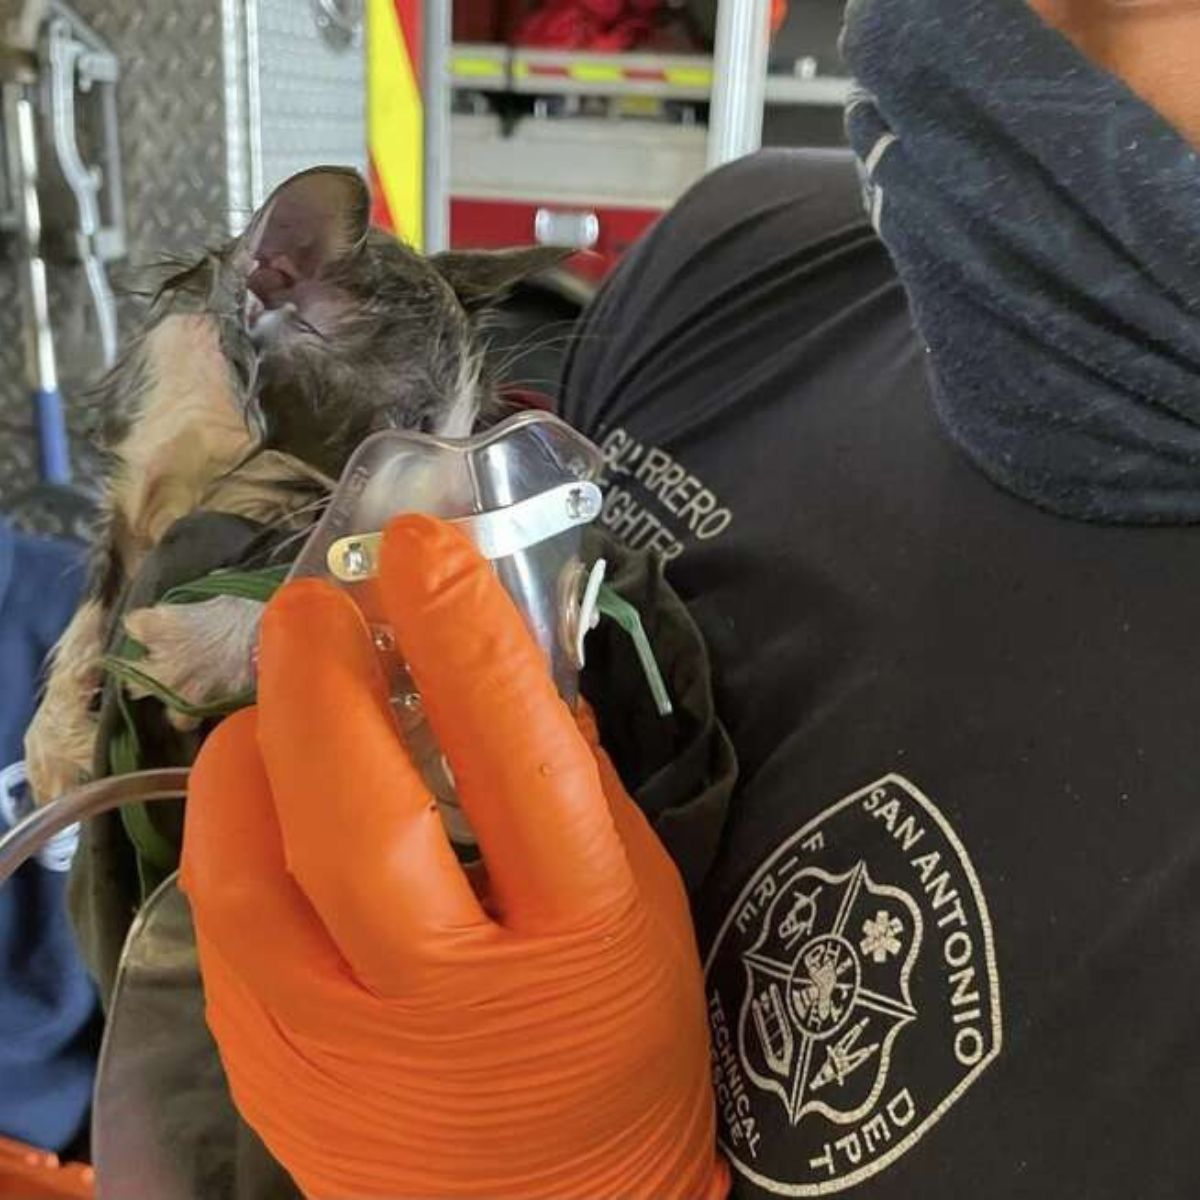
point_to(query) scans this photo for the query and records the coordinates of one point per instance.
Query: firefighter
(934, 512)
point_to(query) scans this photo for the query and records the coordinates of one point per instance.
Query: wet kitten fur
(259, 370)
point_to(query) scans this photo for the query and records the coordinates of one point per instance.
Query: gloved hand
(390, 1027)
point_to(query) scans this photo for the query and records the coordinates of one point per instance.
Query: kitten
(260, 369)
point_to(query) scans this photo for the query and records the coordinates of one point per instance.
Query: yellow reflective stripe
(395, 120)
(477, 68)
(595, 73)
(588, 72)
(690, 76)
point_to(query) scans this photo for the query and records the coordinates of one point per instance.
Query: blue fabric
(47, 1002)
(1046, 223)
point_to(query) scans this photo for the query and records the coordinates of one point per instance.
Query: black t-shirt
(952, 938)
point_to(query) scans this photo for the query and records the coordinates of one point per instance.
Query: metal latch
(340, 21)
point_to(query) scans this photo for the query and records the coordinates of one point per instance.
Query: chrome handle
(576, 229)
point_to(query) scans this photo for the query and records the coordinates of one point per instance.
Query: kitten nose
(269, 323)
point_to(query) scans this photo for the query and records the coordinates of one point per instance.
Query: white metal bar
(436, 71)
(258, 190)
(820, 91)
(740, 77)
(237, 115)
(20, 124)
(576, 163)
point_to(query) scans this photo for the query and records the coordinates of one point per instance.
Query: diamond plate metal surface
(218, 101)
(312, 93)
(171, 107)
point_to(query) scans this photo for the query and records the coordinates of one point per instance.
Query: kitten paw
(202, 652)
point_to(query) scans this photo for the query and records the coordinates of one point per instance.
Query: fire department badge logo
(852, 994)
(827, 991)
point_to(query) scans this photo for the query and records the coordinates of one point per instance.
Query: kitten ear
(481, 277)
(311, 220)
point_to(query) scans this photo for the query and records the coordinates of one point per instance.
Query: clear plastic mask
(523, 491)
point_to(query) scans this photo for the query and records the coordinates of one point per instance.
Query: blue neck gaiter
(1046, 224)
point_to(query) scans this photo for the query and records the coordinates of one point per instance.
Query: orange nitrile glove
(386, 1031)
(27, 1173)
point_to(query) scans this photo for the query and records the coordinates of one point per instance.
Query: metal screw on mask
(583, 504)
(357, 560)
